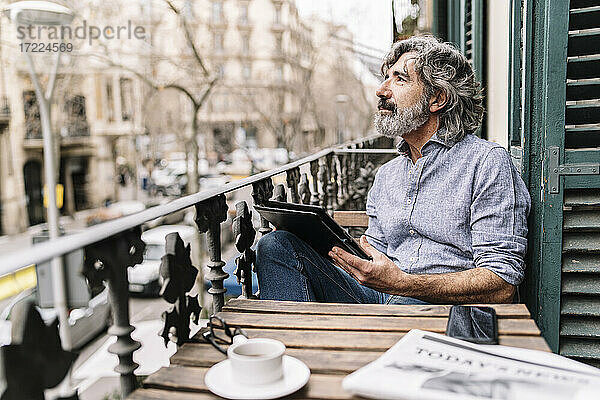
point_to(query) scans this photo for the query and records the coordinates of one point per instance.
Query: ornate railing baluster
(329, 188)
(280, 193)
(292, 180)
(345, 161)
(324, 180)
(178, 277)
(35, 360)
(304, 189)
(261, 192)
(334, 182)
(107, 261)
(314, 172)
(209, 215)
(353, 173)
(244, 235)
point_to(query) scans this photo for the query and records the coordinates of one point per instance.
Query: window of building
(277, 15)
(220, 68)
(76, 120)
(279, 43)
(218, 41)
(247, 71)
(243, 14)
(126, 99)
(110, 102)
(33, 128)
(217, 12)
(245, 43)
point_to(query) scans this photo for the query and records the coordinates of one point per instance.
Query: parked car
(84, 323)
(144, 278)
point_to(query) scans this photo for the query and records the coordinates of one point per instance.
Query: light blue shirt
(462, 205)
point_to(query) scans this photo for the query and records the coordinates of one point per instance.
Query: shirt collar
(438, 137)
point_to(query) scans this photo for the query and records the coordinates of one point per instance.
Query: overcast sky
(369, 20)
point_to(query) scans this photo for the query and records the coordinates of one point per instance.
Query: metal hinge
(555, 170)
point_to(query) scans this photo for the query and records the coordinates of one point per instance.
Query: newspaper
(425, 365)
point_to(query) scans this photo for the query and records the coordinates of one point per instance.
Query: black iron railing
(335, 178)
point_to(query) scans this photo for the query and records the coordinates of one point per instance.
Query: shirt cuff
(501, 254)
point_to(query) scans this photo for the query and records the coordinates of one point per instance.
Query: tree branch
(188, 37)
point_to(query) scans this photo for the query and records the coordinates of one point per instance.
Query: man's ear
(438, 101)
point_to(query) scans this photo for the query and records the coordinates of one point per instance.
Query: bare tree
(194, 88)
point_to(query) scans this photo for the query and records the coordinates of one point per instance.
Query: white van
(144, 278)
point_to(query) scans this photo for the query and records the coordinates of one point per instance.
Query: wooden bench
(351, 219)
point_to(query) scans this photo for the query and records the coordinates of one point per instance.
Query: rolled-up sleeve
(499, 210)
(375, 234)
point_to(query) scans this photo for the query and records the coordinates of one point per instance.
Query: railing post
(314, 172)
(209, 215)
(178, 277)
(261, 192)
(107, 261)
(292, 179)
(304, 189)
(280, 193)
(244, 235)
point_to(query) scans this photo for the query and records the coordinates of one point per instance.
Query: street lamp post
(47, 13)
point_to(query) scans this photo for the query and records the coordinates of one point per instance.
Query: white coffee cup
(256, 361)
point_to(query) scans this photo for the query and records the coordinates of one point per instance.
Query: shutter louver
(580, 293)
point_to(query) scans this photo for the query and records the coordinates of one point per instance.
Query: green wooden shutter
(580, 292)
(554, 124)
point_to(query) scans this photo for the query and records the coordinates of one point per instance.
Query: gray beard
(402, 121)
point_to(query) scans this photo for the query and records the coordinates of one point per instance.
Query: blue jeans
(289, 269)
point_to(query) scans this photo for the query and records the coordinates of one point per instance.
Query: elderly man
(447, 217)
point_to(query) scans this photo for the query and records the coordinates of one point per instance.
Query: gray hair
(441, 67)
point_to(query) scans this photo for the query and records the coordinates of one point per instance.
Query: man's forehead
(406, 63)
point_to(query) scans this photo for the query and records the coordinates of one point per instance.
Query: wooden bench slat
(371, 341)
(292, 307)
(364, 323)
(319, 361)
(191, 379)
(351, 218)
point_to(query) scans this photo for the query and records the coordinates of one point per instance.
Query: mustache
(383, 104)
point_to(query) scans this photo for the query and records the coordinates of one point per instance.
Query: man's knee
(272, 245)
(274, 241)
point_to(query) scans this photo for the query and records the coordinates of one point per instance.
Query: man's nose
(383, 92)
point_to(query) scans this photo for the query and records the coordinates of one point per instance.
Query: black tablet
(311, 224)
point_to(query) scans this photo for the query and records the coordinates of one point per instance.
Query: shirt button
(412, 232)
(413, 259)
(408, 201)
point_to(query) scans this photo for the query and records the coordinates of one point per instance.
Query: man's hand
(476, 285)
(380, 274)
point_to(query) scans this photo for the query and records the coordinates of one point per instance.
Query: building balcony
(335, 178)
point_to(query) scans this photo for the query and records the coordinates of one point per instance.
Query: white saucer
(219, 380)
